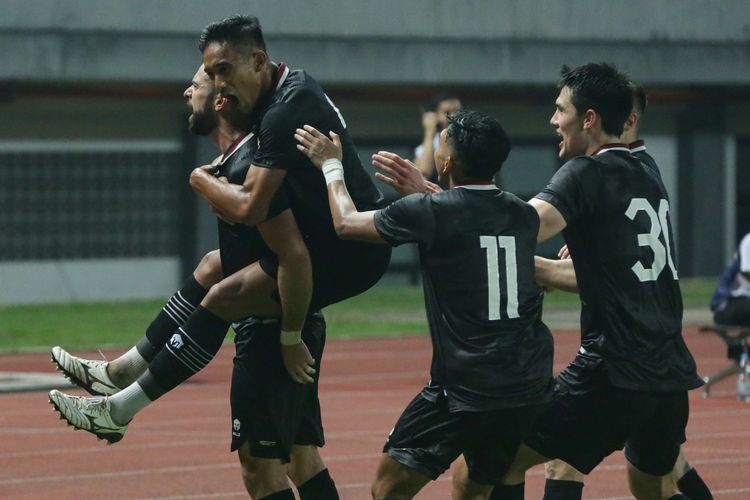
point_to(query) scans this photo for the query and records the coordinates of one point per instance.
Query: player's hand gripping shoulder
(317, 146)
(402, 175)
(326, 155)
(297, 358)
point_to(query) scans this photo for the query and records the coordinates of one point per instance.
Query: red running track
(179, 447)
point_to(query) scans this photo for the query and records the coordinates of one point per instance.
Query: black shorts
(341, 269)
(270, 410)
(584, 427)
(428, 438)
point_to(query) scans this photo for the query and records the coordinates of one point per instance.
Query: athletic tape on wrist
(290, 338)
(333, 170)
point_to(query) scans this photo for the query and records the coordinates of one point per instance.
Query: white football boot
(90, 414)
(85, 373)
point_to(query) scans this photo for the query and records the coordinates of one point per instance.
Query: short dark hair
(479, 143)
(640, 98)
(242, 32)
(435, 101)
(603, 88)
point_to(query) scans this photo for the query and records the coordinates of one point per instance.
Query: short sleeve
(276, 144)
(408, 220)
(573, 189)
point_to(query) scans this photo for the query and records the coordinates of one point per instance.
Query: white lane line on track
(161, 470)
(329, 458)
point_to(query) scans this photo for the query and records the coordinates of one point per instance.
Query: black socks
(174, 314)
(319, 487)
(556, 489)
(693, 486)
(187, 352)
(508, 492)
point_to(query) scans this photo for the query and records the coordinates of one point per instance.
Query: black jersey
(638, 149)
(298, 100)
(239, 244)
(620, 237)
(476, 247)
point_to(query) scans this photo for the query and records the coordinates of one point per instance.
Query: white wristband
(290, 338)
(333, 170)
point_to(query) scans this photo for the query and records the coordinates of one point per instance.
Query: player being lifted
(274, 100)
(259, 387)
(492, 355)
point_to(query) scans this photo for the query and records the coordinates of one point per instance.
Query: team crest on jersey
(176, 341)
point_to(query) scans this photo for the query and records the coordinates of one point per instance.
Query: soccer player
(267, 406)
(563, 481)
(628, 384)
(492, 355)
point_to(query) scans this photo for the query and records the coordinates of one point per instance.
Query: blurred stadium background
(94, 152)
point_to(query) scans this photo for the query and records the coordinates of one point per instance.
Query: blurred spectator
(731, 301)
(434, 120)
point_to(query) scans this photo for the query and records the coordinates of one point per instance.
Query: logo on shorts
(267, 443)
(236, 427)
(176, 341)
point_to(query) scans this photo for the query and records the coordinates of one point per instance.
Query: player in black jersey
(492, 355)
(267, 406)
(276, 100)
(563, 481)
(628, 385)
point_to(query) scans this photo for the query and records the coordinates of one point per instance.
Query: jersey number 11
(492, 244)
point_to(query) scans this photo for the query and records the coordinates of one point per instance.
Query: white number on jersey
(659, 226)
(341, 118)
(492, 244)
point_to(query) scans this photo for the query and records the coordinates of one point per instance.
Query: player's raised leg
(105, 378)
(188, 351)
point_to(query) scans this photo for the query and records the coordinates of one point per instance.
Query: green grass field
(386, 310)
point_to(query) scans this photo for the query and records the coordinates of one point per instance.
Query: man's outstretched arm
(558, 274)
(326, 155)
(402, 175)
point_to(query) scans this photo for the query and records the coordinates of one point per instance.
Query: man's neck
(468, 181)
(267, 86)
(598, 140)
(224, 135)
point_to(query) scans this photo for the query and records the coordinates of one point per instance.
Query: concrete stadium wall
(379, 60)
(389, 41)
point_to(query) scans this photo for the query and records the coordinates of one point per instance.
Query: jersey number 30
(662, 252)
(492, 244)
